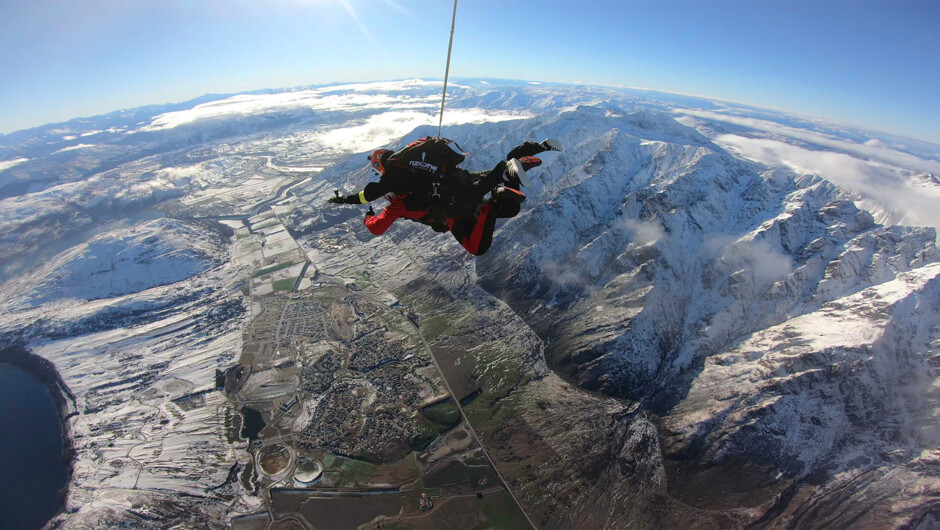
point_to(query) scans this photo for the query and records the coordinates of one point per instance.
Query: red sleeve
(378, 224)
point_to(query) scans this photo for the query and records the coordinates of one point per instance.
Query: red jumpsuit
(474, 234)
(378, 224)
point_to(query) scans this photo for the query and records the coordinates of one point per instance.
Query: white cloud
(176, 173)
(761, 261)
(766, 263)
(566, 274)
(386, 127)
(642, 233)
(248, 104)
(873, 149)
(7, 164)
(379, 96)
(912, 203)
(388, 86)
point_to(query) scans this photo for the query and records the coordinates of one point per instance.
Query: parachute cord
(450, 46)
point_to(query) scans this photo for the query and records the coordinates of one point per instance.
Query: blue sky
(870, 63)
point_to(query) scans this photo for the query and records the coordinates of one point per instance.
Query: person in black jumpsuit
(460, 207)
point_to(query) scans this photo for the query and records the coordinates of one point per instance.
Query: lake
(31, 467)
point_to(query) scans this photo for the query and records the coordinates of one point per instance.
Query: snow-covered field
(734, 277)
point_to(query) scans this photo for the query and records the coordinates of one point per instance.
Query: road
(470, 427)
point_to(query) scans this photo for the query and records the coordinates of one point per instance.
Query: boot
(515, 174)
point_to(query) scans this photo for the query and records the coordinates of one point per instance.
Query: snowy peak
(646, 124)
(827, 390)
(710, 247)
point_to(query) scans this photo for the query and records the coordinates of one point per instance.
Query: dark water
(31, 467)
(253, 423)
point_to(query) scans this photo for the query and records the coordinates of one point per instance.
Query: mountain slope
(645, 260)
(114, 264)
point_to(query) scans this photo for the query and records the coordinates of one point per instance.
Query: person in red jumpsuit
(460, 208)
(473, 232)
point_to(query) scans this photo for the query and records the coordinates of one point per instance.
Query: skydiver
(435, 192)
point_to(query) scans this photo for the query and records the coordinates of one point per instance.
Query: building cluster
(302, 318)
(287, 407)
(317, 377)
(386, 430)
(346, 421)
(365, 391)
(393, 386)
(335, 422)
(372, 351)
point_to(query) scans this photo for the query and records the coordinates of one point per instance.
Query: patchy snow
(131, 260)
(760, 309)
(74, 147)
(7, 164)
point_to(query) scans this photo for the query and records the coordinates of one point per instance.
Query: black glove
(371, 212)
(349, 199)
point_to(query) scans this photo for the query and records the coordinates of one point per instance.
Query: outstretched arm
(372, 191)
(378, 224)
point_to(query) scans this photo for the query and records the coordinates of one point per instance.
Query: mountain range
(705, 314)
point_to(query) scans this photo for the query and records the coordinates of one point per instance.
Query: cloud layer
(911, 201)
(413, 94)
(874, 149)
(381, 129)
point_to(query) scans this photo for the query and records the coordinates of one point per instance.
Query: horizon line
(509, 81)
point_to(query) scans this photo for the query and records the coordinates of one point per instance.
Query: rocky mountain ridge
(658, 268)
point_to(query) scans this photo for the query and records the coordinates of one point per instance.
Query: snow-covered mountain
(698, 330)
(768, 321)
(160, 252)
(754, 312)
